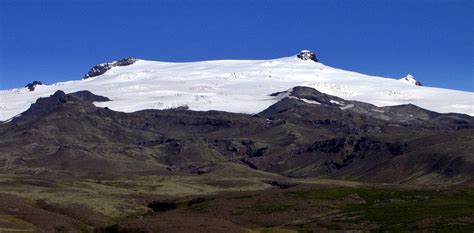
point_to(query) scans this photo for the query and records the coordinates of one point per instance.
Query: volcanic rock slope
(238, 86)
(305, 134)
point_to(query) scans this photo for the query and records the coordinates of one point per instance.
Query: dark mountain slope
(307, 133)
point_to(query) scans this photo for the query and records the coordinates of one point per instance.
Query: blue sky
(60, 40)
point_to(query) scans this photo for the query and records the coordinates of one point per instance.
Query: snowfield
(236, 86)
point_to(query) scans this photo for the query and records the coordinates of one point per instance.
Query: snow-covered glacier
(242, 86)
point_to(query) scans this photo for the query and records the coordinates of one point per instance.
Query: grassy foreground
(398, 209)
(215, 204)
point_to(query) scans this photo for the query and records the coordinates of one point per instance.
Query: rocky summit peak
(307, 55)
(411, 80)
(102, 68)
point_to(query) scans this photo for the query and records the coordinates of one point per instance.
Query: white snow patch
(336, 102)
(305, 100)
(309, 101)
(377, 110)
(346, 107)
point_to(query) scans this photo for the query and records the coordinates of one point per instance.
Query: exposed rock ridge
(307, 55)
(102, 68)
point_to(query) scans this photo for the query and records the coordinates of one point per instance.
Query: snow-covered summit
(235, 86)
(411, 80)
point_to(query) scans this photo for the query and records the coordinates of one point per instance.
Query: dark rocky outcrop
(307, 55)
(46, 105)
(31, 86)
(125, 62)
(102, 68)
(97, 70)
(88, 96)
